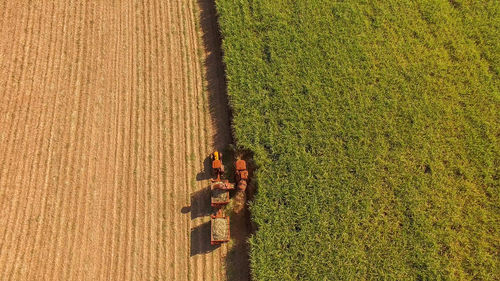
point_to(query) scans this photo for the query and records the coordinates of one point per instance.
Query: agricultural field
(376, 131)
(108, 110)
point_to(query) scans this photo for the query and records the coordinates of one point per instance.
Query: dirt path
(108, 110)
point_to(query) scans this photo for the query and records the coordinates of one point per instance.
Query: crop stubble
(103, 127)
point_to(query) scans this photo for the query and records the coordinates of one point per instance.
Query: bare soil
(108, 110)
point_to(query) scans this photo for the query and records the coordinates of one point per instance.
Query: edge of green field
(375, 126)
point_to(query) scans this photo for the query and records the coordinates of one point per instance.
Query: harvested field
(106, 117)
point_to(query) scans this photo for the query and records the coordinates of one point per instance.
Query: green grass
(375, 125)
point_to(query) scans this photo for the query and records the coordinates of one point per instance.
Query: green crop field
(376, 129)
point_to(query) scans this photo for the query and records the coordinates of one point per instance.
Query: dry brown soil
(108, 110)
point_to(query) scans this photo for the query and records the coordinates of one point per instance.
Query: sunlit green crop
(376, 128)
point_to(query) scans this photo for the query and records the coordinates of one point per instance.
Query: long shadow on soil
(206, 173)
(237, 260)
(201, 245)
(200, 204)
(200, 235)
(215, 75)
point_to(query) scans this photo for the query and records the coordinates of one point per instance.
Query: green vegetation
(376, 128)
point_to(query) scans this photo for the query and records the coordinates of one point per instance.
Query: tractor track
(106, 118)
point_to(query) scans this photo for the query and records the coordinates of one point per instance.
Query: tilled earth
(108, 110)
